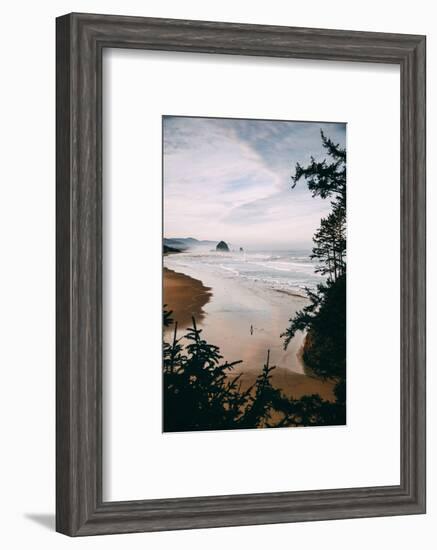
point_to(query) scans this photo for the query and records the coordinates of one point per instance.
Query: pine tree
(324, 318)
(328, 180)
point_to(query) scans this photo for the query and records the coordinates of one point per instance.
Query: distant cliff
(222, 247)
(170, 250)
(187, 243)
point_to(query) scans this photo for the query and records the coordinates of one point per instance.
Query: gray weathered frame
(80, 40)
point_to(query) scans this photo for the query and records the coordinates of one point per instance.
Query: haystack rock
(222, 247)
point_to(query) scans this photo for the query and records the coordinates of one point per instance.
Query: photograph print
(254, 273)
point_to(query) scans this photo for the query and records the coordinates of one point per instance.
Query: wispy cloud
(230, 179)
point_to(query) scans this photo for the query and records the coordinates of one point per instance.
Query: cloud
(230, 179)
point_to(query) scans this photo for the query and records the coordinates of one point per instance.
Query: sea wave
(285, 271)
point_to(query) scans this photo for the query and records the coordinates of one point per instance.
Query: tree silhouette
(328, 180)
(330, 245)
(200, 392)
(324, 318)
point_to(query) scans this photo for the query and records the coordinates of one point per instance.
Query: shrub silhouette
(202, 393)
(324, 319)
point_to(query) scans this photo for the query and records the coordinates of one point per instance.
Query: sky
(230, 179)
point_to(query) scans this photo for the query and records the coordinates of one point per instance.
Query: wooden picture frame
(80, 40)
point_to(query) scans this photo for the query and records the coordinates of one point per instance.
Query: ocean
(287, 271)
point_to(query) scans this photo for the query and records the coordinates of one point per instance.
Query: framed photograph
(240, 274)
(273, 294)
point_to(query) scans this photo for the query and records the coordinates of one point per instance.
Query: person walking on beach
(251, 330)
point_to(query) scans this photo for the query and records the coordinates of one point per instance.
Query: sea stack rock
(222, 247)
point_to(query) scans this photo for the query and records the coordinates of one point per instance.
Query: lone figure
(251, 330)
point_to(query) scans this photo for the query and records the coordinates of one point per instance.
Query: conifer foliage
(324, 319)
(201, 392)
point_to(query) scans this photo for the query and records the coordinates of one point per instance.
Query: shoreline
(184, 296)
(290, 293)
(293, 385)
(225, 311)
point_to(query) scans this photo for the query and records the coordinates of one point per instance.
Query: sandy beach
(244, 322)
(185, 297)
